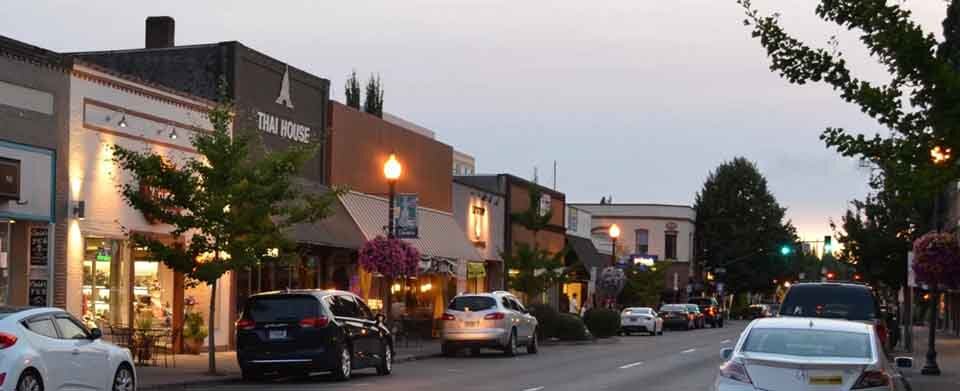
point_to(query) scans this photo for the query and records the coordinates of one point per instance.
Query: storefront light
(395, 288)
(514, 272)
(426, 287)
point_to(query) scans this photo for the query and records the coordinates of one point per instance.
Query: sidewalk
(192, 369)
(948, 359)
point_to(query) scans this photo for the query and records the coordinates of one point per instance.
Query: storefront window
(152, 305)
(106, 283)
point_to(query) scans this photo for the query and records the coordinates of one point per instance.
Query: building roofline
(25, 52)
(631, 204)
(472, 186)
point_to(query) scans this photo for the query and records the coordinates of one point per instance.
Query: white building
(463, 164)
(118, 285)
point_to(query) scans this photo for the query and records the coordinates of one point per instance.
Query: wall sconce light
(173, 134)
(79, 210)
(123, 121)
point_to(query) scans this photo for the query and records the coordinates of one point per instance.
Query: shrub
(548, 319)
(602, 322)
(570, 327)
(193, 327)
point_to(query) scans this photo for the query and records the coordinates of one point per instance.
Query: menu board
(39, 246)
(38, 293)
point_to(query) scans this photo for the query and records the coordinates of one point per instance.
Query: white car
(808, 354)
(640, 319)
(488, 320)
(48, 349)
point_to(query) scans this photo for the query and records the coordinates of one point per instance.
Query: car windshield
(693, 307)
(281, 308)
(641, 311)
(830, 301)
(673, 308)
(702, 302)
(808, 343)
(472, 303)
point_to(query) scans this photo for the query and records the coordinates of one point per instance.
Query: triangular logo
(284, 98)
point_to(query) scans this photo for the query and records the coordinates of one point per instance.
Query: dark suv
(710, 309)
(838, 300)
(301, 331)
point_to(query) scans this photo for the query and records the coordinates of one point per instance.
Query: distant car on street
(678, 316)
(758, 311)
(296, 332)
(838, 300)
(700, 320)
(640, 319)
(488, 320)
(711, 309)
(49, 349)
(800, 353)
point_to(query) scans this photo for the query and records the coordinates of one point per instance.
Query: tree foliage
(533, 270)
(740, 227)
(920, 105)
(351, 90)
(373, 102)
(228, 210)
(644, 287)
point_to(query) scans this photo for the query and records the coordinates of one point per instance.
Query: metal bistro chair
(162, 349)
(120, 336)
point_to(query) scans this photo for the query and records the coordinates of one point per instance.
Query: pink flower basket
(390, 257)
(936, 260)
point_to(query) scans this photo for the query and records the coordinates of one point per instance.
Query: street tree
(228, 210)
(740, 227)
(644, 287)
(373, 102)
(531, 269)
(351, 90)
(920, 104)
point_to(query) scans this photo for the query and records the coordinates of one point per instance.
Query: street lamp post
(391, 170)
(614, 234)
(939, 156)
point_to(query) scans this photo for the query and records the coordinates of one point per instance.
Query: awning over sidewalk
(586, 253)
(337, 230)
(440, 236)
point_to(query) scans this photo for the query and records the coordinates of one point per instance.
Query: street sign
(406, 223)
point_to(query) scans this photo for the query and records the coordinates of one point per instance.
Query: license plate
(633, 319)
(826, 380)
(471, 324)
(277, 334)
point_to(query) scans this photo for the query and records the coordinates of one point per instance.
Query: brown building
(360, 143)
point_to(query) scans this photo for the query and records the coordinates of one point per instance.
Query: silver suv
(488, 320)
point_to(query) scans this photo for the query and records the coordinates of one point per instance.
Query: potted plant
(143, 339)
(194, 332)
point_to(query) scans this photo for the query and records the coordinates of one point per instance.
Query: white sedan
(48, 349)
(808, 354)
(640, 319)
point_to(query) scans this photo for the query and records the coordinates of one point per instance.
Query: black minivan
(296, 332)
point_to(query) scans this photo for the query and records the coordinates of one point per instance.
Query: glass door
(107, 283)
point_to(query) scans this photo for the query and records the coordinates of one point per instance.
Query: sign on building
(406, 223)
(545, 201)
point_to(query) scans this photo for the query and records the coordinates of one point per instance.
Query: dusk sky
(638, 99)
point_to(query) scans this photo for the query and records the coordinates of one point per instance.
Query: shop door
(107, 288)
(5, 228)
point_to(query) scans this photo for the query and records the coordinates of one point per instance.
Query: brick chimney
(160, 31)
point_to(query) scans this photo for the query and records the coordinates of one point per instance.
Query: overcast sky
(638, 99)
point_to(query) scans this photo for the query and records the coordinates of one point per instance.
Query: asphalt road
(678, 360)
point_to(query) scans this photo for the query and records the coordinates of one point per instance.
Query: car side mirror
(95, 334)
(380, 318)
(726, 353)
(904, 362)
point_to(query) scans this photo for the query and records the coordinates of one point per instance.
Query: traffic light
(827, 243)
(786, 249)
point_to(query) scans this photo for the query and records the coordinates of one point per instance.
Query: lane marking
(534, 389)
(725, 341)
(688, 351)
(631, 365)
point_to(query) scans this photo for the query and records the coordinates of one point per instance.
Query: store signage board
(269, 123)
(39, 246)
(38, 293)
(406, 223)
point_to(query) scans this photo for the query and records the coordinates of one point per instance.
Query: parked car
(800, 353)
(840, 300)
(488, 320)
(296, 332)
(700, 320)
(711, 309)
(47, 348)
(757, 311)
(678, 316)
(641, 319)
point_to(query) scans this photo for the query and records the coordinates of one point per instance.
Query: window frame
(646, 241)
(38, 318)
(75, 322)
(667, 247)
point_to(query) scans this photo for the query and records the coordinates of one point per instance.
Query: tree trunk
(211, 341)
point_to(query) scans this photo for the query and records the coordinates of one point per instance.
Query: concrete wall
(490, 241)
(361, 143)
(579, 222)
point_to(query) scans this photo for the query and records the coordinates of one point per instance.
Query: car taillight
(245, 324)
(318, 322)
(872, 379)
(734, 370)
(448, 317)
(7, 340)
(494, 316)
(690, 316)
(881, 330)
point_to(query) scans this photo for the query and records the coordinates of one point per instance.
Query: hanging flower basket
(612, 280)
(937, 260)
(391, 258)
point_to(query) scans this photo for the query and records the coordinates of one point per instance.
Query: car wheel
(474, 352)
(511, 348)
(386, 361)
(251, 375)
(534, 346)
(448, 350)
(721, 323)
(123, 379)
(344, 364)
(29, 381)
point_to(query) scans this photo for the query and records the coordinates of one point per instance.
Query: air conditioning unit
(9, 179)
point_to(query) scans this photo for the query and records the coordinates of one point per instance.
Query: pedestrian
(574, 306)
